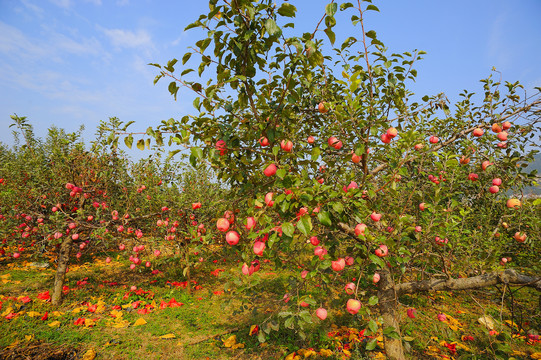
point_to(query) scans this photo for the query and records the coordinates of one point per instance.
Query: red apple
(259, 247)
(486, 164)
(250, 223)
(478, 132)
(386, 139)
(264, 141)
(502, 136)
(16, 255)
(375, 216)
(359, 229)
(506, 125)
(514, 203)
(433, 139)
(222, 224)
(392, 132)
(338, 265)
(311, 139)
(286, 145)
(520, 237)
(382, 251)
(321, 313)
(493, 189)
(376, 278)
(418, 146)
(350, 288)
(496, 128)
(322, 107)
(353, 306)
(121, 247)
(314, 241)
(232, 237)
(355, 158)
(442, 317)
(270, 170)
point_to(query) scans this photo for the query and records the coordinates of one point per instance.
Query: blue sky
(73, 62)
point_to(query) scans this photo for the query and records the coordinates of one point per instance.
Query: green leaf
(373, 326)
(141, 144)
(330, 35)
(186, 57)
(128, 140)
(373, 300)
(371, 34)
(338, 207)
(315, 153)
(288, 229)
(271, 27)
(345, 6)
(197, 152)
(371, 345)
(281, 173)
(289, 322)
(331, 9)
(372, 7)
(324, 218)
(287, 10)
(305, 224)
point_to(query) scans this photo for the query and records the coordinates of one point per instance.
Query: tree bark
(60, 277)
(388, 305)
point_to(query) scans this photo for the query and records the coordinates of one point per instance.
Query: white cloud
(65, 4)
(95, 2)
(14, 43)
(122, 2)
(33, 7)
(129, 39)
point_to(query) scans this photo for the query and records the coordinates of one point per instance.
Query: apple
(422, 206)
(332, 141)
(464, 160)
(418, 146)
(72, 225)
(411, 313)
(502, 145)
(502, 136)
(304, 273)
(121, 247)
(506, 125)
(349, 260)
(221, 147)
(75, 237)
(376, 278)
(350, 288)
(304, 304)
(486, 164)
(497, 181)
(120, 228)
(264, 141)
(392, 132)
(320, 252)
(311, 139)
(270, 170)
(196, 205)
(157, 252)
(473, 177)
(250, 223)
(322, 107)
(520, 237)
(514, 203)
(133, 288)
(382, 251)
(493, 189)
(478, 132)
(222, 224)
(321, 313)
(355, 158)
(386, 139)
(338, 265)
(147, 264)
(359, 229)
(286, 145)
(16, 255)
(259, 247)
(353, 306)
(108, 260)
(418, 229)
(314, 241)
(268, 199)
(375, 216)
(442, 317)
(132, 266)
(232, 237)
(433, 139)
(496, 128)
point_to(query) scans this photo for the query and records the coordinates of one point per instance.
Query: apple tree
(346, 172)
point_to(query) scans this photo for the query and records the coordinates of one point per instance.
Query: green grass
(206, 319)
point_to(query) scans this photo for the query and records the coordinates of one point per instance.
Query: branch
(509, 277)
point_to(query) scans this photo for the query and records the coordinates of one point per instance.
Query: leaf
(186, 57)
(373, 326)
(271, 27)
(305, 225)
(168, 336)
(197, 152)
(288, 229)
(141, 144)
(315, 153)
(55, 323)
(331, 35)
(287, 10)
(128, 140)
(89, 322)
(330, 9)
(89, 355)
(408, 338)
(139, 322)
(372, 7)
(371, 345)
(324, 218)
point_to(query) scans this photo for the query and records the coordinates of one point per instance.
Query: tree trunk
(388, 306)
(63, 261)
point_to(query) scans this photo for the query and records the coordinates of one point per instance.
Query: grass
(211, 315)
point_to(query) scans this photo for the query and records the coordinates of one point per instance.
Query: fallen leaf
(89, 355)
(33, 314)
(487, 322)
(139, 321)
(168, 336)
(29, 337)
(89, 322)
(55, 323)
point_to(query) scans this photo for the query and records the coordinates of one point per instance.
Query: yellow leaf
(89, 322)
(139, 321)
(168, 336)
(117, 314)
(77, 310)
(464, 347)
(55, 323)
(119, 324)
(237, 346)
(292, 356)
(306, 353)
(33, 314)
(89, 355)
(536, 356)
(325, 352)
(230, 341)
(408, 338)
(29, 337)
(511, 323)
(8, 311)
(487, 322)
(56, 313)
(252, 330)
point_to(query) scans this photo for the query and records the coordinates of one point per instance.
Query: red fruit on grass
(286, 145)
(353, 306)
(222, 224)
(478, 132)
(321, 313)
(270, 170)
(338, 265)
(157, 252)
(121, 247)
(108, 260)
(350, 288)
(75, 237)
(304, 273)
(132, 266)
(120, 228)
(375, 216)
(133, 288)
(232, 238)
(147, 264)
(442, 317)
(16, 255)
(520, 237)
